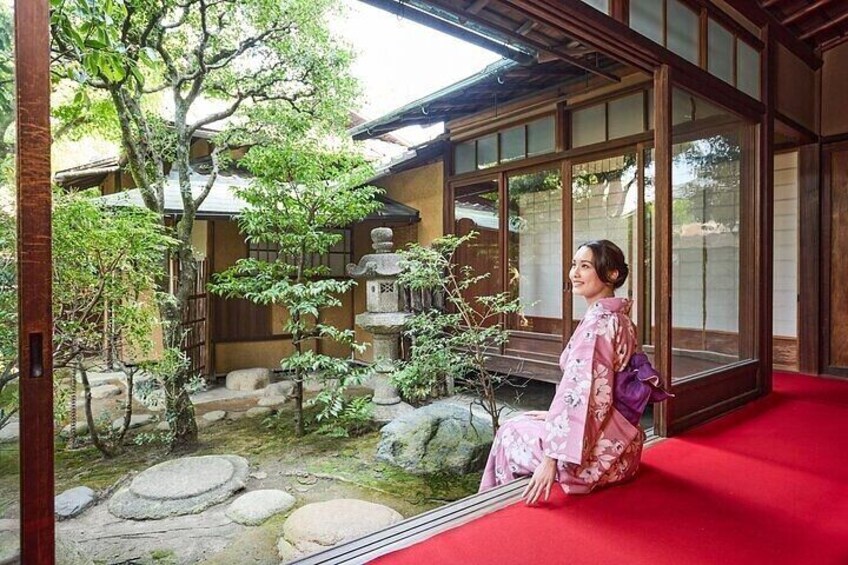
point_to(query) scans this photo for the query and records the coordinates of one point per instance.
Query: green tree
(104, 261)
(266, 62)
(457, 340)
(303, 193)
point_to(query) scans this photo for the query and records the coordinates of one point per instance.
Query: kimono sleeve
(584, 396)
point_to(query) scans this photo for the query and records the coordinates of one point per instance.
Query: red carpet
(767, 484)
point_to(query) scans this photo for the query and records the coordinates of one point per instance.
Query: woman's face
(585, 281)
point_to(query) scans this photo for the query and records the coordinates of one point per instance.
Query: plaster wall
(796, 89)
(834, 118)
(423, 189)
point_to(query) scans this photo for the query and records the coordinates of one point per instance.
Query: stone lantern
(384, 319)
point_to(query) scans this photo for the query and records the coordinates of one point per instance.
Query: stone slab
(73, 502)
(248, 379)
(271, 401)
(180, 486)
(253, 508)
(215, 416)
(258, 412)
(136, 421)
(319, 525)
(105, 391)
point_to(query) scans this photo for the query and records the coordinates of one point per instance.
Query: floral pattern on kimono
(591, 441)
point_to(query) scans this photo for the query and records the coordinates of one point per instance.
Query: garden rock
(253, 508)
(321, 525)
(105, 391)
(82, 430)
(282, 388)
(258, 412)
(438, 437)
(136, 421)
(73, 502)
(180, 486)
(248, 379)
(9, 539)
(215, 416)
(10, 431)
(272, 401)
(163, 427)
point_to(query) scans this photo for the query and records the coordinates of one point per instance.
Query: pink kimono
(593, 443)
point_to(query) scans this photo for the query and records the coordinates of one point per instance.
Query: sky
(399, 61)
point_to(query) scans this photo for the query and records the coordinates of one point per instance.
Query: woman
(582, 441)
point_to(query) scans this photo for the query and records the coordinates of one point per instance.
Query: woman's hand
(536, 414)
(541, 481)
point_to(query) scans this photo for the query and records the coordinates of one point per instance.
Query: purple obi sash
(635, 386)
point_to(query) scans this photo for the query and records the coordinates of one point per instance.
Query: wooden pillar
(809, 260)
(764, 261)
(35, 322)
(662, 243)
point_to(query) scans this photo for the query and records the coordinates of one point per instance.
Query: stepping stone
(215, 416)
(271, 401)
(282, 388)
(253, 508)
(136, 421)
(321, 525)
(258, 412)
(73, 502)
(163, 427)
(105, 391)
(188, 485)
(248, 379)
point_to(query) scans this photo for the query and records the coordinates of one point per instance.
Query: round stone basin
(183, 478)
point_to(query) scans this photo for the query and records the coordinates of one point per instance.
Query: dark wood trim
(210, 312)
(643, 318)
(567, 249)
(827, 236)
(503, 240)
(663, 414)
(447, 190)
(806, 135)
(764, 205)
(760, 17)
(563, 129)
(709, 396)
(587, 25)
(833, 139)
(35, 292)
(810, 270)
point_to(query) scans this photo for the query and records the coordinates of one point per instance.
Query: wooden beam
(449, 6)
(35, 317)
(662, 241)
(760, 17)
(825, 26)
(804, 12)
(411, 13)
(526, 27)
(477, 6)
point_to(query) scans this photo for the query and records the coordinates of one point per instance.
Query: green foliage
(303, 191)
(104, 261)
(455, 342)
(345, 419)
(272, 67)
